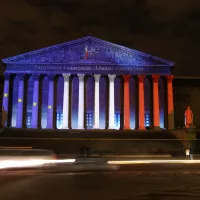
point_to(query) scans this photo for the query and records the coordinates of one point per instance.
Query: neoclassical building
(88, 83)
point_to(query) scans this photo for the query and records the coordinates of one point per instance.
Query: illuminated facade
(88, 83)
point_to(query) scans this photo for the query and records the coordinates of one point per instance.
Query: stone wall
(106, 146)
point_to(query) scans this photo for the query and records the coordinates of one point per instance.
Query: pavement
(49, 134)
(117, 156)
(148, 181)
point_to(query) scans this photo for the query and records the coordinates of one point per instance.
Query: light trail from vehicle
(31, 163)
(129, 162)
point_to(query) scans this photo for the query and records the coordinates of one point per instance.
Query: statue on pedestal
(188, 117)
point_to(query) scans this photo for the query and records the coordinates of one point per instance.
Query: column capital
(111, 77)
(141, 78)
(51, 77)
(126, 77)
(81, 77)
(97, 77)
(170, 78)
(21, 76)
(155, 78)
(66, 77)
(36, 77)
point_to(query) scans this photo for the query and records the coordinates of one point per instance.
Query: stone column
(156, 107)
(141, 102)
(66, 102)
(6, 92)
(20, 104)
(35, 106)
(170, 102)
(96, 101)
(81, 102)
(111, 101)
(126, 125)
(5, 108)
(50, 102)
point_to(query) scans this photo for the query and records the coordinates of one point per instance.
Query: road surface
(154, 182)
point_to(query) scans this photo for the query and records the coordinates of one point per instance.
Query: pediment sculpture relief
(83, 52)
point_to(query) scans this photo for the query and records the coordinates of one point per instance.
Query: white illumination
(96, 101)
(111, 101)
(66, 101)
(81, 102)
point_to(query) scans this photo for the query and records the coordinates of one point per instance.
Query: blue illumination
(44, 102)
(103, 58)
(89, 120)
(59, 120)
(28, 120)
(147, 120)
(90, 104)
(117, 120)
(14, 101)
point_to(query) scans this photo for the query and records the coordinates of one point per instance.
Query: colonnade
(81, 111)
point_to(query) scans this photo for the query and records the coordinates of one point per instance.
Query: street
(130, 182)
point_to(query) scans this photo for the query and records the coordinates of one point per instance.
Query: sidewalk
(124, 157)
(119, 156)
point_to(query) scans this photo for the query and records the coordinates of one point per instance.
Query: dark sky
(168, 29)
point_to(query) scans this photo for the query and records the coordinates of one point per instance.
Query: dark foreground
(133, 182)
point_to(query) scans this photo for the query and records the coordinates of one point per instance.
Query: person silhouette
(82, 151)
(88, 151)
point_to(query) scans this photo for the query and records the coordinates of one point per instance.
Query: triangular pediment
(88, 50)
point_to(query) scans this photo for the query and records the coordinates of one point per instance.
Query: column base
(190, 127)
(156, 128)
(96, 127)
(126, 128)
(111, 128)
(18, 126)
(34, 127)
(142, 128)
(65, 127)
(80, 128)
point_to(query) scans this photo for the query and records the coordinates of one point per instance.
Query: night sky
(168, 29)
